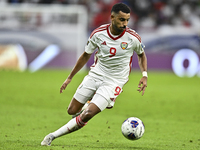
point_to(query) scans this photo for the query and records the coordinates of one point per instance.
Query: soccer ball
(133, 128)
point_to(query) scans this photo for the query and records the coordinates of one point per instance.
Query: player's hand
(64, 85)
(142, 85)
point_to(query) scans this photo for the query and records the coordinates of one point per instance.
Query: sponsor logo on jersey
(124, 45)
(113, 99)
(104, 43)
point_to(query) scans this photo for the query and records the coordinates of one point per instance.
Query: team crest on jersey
(124, 45)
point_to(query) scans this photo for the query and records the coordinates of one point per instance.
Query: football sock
(73, 125)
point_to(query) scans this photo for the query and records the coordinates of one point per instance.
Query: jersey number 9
(112, 51)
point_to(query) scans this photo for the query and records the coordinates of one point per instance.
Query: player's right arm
(89, 49)
(83, 59)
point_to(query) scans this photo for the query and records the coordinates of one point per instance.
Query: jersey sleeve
(138, 45)
(139, 49)
(91, 45)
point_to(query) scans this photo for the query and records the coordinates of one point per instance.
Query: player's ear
(112, 16)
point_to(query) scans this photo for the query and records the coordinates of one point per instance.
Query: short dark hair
(120, 7)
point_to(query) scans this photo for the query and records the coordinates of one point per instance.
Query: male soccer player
(116, 44)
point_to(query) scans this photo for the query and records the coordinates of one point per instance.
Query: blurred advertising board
(50, 35)
(53, 38)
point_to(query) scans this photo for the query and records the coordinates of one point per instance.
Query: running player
(116, 44)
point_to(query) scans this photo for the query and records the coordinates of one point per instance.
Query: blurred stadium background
(37, 34)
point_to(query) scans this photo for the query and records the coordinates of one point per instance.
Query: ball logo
(134, 123)
(124, 45)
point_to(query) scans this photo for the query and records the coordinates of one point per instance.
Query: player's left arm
(142, 61)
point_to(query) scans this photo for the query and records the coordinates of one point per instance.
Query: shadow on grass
(97, 147)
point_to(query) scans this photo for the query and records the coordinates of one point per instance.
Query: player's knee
(71, 111)
(86, 115)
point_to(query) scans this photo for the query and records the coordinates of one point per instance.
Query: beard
(119, 29)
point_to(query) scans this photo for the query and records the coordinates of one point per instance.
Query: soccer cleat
(47, 140)
(83, 108)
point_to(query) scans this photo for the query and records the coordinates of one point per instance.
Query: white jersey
(113, 59)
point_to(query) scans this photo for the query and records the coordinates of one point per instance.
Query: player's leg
(83, 93)
(73, 125)
(87, 89)
(81, 110)
(74, 106)
(98, 104)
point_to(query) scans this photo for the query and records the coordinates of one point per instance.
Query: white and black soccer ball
(133, 128)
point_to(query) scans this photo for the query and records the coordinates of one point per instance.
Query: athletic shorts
(91, 86)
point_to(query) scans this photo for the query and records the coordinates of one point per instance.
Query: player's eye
(122, 19)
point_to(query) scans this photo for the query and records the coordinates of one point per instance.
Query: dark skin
(119, 22)
(142, 61)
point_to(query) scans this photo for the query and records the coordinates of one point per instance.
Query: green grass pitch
(31, 107)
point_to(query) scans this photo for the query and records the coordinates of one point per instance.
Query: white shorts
(91, 86)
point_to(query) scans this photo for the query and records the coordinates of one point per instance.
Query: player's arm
(142, 61)
(83, 59)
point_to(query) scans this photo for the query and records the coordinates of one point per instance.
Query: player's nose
(125, 23)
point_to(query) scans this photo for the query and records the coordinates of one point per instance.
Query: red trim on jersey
(114, 38)
(130, 64)
(132, 32)
(101, 28)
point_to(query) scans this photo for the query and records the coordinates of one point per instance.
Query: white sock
(73, 125)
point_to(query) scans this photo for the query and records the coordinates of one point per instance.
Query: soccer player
(116, 44)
